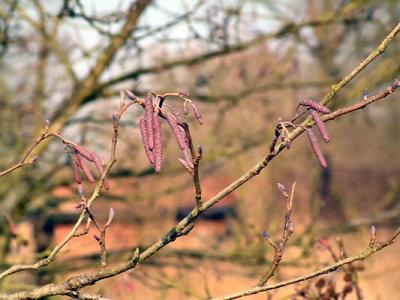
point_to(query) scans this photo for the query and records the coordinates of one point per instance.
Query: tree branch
(368, 252)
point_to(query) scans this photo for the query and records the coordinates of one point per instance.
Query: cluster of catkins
(314, 109)
(325, 289)
(150, 130)
(331, 288)
(80, 157)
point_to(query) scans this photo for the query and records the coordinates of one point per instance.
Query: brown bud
(347, 277)
(179, 134)
(320, 283)
(316, 149)
(265, 235)
(97, 238)
(148, 117)
(320, 125)
(115, 117)
(347, 289)
(85, 168)
(143, 132)
(314, 105)
(157, 143)
(200, 150)
(330, 288)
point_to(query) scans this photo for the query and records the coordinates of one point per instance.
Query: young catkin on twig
(314, 105)
(316, 148)
(197, 114)
(100, 169)
(179, 134)
(145, 140)
(83, 152)
(85, 168)
(187, 156)
(320, 125)
(185, 164)
(148, 117)
(157, 143)
(76, 167)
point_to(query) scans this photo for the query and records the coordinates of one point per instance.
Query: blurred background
(245, 63)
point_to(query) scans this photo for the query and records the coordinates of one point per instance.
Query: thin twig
(279, 247)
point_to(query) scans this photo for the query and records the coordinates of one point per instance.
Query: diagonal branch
(329, 269)
(80, 281)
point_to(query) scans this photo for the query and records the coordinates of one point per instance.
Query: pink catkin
(148, 117)
(320, 125)
(197, 114)
(83, 152)
(76, 167)
(187, 155)
(183, 132)
(316, 149)
(145, 140)
(179, 135)
(157, 144)
(314, 105)
(85, 168)
(100, 169)
(185, 164)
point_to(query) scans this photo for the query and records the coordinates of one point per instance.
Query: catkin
(100, 169)
(145, 140)
(314, 105)
(185, 164)
(85, 168)
(157, 143)
(179, 135)
(83, 152)
(187, 155)
(76, 167)
(148, 117)
(197, 114)
(316, 149)
(320, 125)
